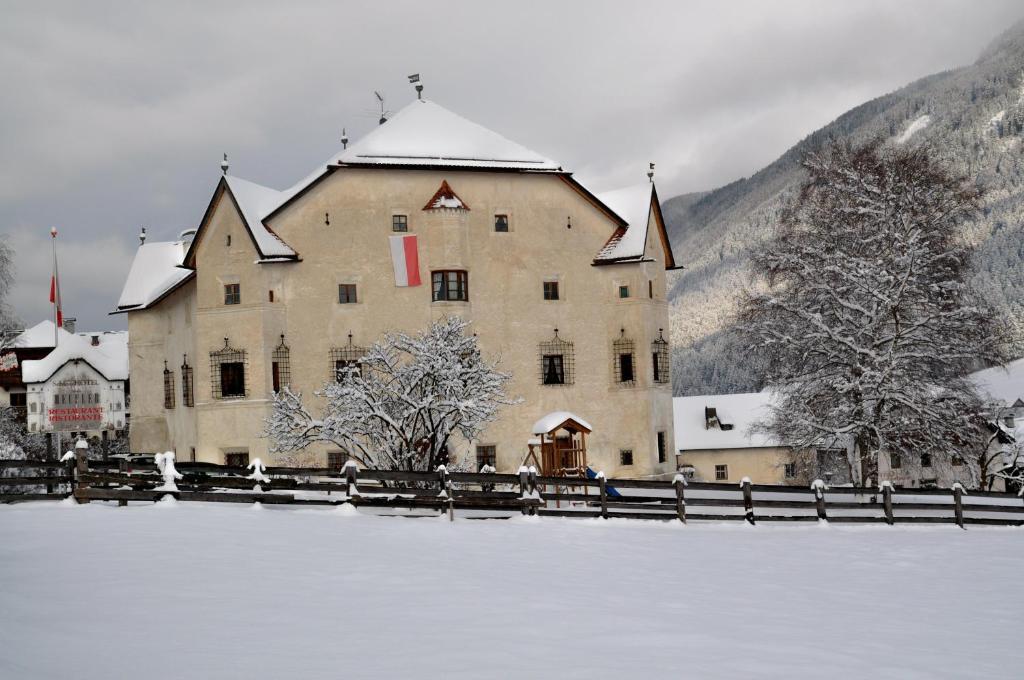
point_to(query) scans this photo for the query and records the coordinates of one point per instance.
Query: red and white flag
(406, 259)
(55, 284)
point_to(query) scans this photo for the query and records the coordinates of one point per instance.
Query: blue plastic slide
(610, 490)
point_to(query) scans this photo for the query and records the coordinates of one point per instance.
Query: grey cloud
(115, 114)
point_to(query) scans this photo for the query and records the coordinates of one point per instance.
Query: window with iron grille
(551, 290)
(227, 372)
(236, 459)
(345, 359)
(187, 395)
(790, 470)
(622, 353)
(337, 459)
(625, 456)
(450, 285)
(660, 359)
(557, 362)
(662, 448)
(399, 223)
(232, 294)
(347, 293)
(281, 366)
(168, 387)
(501, 223)
(721, 473)
(486, 455)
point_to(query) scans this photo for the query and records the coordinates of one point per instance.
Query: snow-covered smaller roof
(554, 419)
(109, 356)
(256, 202)
(155, 271)
(426, 134)
(38, 336)
(632, 204)
(742, 411)
(1005, 384)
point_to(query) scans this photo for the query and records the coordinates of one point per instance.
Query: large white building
(567, 288)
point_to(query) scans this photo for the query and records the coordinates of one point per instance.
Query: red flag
(55, 285)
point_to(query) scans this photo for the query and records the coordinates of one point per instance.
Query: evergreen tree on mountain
(869, 323)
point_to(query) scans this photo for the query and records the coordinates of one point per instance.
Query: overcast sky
(116, 117)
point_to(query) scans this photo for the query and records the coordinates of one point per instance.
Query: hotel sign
(76, 405)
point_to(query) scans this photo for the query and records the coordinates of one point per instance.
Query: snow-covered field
(208, 591)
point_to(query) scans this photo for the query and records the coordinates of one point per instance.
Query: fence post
(446, 491)
(351, 478)
(679, 482)
(887, 502)
(748, 499)
(524, 474)
(958, 506)
(81, 468)
(603, 487)
(534, 494)
(818, 487)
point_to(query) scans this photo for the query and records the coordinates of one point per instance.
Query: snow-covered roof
(109, 356)
(1005, 384)
(742, 411)
(632, 204)
(155, 271)
(425, 133)
(552, 420)
(40, 335)
(256, 202)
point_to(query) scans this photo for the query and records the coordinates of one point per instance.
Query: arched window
(281, 366)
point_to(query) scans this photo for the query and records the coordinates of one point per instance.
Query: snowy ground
(213, 591)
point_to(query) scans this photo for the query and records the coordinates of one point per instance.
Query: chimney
(142, 237)
(95, 341)
(69, 324)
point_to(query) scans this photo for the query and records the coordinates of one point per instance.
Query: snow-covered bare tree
(399, 406)
(868, 324)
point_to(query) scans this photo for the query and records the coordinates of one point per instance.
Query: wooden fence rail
(501, 495)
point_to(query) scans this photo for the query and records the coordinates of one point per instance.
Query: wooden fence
(480, 495)
(35, 480)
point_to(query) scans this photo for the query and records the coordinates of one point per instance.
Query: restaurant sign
(76, 406)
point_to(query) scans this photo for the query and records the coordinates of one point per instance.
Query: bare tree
(398, 406)
(868, 324)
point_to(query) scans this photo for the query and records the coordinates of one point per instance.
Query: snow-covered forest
(971, 119)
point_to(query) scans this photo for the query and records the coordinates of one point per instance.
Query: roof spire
(650, 173)
(415, 80)
(383, 113)
(224, 165)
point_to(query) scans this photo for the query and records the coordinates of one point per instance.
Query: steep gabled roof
(427, 134)
(635, 205)
(445, 198)
(156, 271)
(254, 203)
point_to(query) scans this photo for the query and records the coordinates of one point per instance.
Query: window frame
(497, 217)
(624, 293)
(626, 458)
(168, 388)
(441, 285)
(400, 223)
(722, 472)
(662, 437)
(486, 454)
(789, 471)
(232, 293)
(551, 290)
(348, 288)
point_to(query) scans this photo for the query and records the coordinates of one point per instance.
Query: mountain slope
(973, 120)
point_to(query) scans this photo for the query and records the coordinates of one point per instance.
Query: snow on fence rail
(479, 495)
